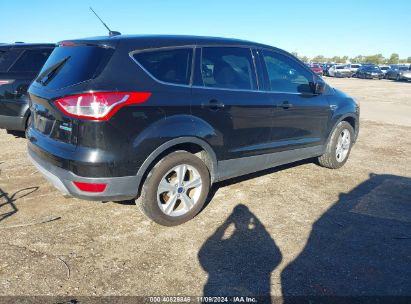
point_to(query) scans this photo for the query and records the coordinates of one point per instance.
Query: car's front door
(301, 117)
(227, 97)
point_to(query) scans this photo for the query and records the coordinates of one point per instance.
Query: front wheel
(175, 190)
(338, 147)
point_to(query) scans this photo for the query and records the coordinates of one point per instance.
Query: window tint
(286, 75)
(172, 66)
(69, 65)
(7, 57)
(31, 60)
(228, 67)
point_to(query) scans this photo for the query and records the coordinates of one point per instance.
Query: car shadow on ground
(239, 257)
(17, 134)
(7, 205)
(361, 246)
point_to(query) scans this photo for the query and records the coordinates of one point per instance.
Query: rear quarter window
(171, 66)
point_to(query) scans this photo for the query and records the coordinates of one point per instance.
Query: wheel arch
(352, 119)
(194, 145)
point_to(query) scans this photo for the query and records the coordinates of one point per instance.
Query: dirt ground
(295, 230)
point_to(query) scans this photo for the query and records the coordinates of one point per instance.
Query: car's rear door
(227, 97)
(301, 117)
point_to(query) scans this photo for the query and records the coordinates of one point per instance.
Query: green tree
(376, 59)
(319, 58)
(394, 58)
(409, 59)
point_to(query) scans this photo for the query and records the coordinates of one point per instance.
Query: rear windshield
(31, 60)
(7, 57)
(69, 65)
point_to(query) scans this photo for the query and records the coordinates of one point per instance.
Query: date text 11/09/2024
(182, 299)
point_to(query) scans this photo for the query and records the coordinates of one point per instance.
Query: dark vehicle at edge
(370, 72)
(19, 65)
(162, 118)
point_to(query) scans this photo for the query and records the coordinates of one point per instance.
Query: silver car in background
(340, 71)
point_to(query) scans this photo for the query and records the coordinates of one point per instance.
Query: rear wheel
(338, 147)
(175, 190)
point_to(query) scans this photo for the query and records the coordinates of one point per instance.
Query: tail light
(89, 187)
(6, 81)
(99, 106)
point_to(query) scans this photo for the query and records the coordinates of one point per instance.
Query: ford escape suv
(161, 118)
(19, 65)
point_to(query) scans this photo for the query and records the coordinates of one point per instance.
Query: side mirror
(319, 87)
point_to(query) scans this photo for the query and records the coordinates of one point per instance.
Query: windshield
(340, 67)
(372, 68)
(403, 68)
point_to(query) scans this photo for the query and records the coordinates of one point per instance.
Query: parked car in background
(316, 69)
(370, 72)
(395, 72)
(339, 71)
(19, 64)
(163, 117)
(384, 69)
(326, 67)
(353, 68)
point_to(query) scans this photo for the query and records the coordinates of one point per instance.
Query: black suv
(19, 65)
(161, 118)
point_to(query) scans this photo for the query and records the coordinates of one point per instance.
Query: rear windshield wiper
(45, 77)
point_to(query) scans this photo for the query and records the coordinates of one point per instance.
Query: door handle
(286, 105)
(213, 105)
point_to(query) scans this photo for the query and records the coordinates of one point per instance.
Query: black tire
(27, 125)
(329, 158)
(147, 202)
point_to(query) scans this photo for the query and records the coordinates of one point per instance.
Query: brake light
(6, 81)
(88, 187)
(99, 106)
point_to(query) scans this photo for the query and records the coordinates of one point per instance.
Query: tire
(171, 207)
(27, 125)
(331, 159)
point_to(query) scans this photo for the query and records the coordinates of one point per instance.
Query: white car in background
(353, 68)
(340, 71)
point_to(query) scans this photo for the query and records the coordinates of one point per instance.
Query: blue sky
(311, 27)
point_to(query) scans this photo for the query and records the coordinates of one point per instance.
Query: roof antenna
(110, 32)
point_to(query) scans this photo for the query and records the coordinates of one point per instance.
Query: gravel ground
(295, 230)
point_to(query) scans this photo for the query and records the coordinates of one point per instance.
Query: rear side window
(228, 67)
(286, 75)
(172, 65)
(7, 57)
(31, 60)
(69, 65)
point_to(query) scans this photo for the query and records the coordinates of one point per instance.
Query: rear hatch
(71, 67)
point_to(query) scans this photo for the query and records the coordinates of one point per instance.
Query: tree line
(377, 59)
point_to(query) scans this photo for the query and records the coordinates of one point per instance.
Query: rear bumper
(118, 188)
(17, 123)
